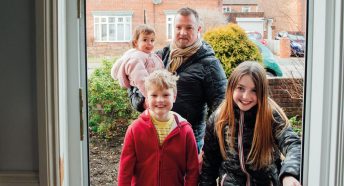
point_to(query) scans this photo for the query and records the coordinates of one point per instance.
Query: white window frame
(170, 15)
(323, 151)
(119, 18)
(245, 9)
(227, 9)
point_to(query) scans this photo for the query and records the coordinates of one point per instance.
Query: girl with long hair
(247, 134)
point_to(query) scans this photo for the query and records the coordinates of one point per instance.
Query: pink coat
(144, 162)
(133, 67)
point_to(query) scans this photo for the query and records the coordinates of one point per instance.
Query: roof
(240, 2)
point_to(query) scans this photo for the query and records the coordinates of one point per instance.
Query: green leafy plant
(109, 108)
(231, 46)
(296, 123)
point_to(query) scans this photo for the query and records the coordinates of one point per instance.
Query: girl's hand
(290, 181)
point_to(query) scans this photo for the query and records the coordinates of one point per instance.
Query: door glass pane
(116, 27)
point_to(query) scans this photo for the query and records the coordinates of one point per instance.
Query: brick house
(286, 15)
(110, 22)
(278, 16)
(235, 6)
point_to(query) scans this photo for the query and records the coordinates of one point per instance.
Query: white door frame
(323, 128)
(58, 72)
(60, 69)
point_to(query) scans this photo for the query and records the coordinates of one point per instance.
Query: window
(169, 26)
(246, 9)
(112, 28)
(227, 9)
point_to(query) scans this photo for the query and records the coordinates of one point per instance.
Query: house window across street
(110, 28)
(246, 9)
(227, 9)
(169, 26)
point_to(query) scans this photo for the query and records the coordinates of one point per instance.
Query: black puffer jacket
(229, 171)
(201, 86)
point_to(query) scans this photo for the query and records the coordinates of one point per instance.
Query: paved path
(292, 67)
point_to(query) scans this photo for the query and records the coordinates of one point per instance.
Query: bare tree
(211, 18)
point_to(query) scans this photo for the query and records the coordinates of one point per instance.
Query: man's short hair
(186, 11)
(163, 79)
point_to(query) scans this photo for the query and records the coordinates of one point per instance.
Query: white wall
(18, 117)
(251, 24)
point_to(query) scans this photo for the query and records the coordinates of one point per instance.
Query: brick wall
(287, 15)
(287, 93)
(238, 8)
(231, 17)
(155, 16)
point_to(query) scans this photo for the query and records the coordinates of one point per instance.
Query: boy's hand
(290, 181)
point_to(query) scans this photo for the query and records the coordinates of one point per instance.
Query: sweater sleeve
(289, 144)
(212, 156)
(118, 73)
(192, 170)
(137, 71)
(127, 160)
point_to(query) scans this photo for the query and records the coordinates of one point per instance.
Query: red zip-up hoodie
(145, 162)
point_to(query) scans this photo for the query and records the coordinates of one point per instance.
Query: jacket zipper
(241, 149)
(161, 147)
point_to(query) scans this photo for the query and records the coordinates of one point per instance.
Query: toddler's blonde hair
(141, 29)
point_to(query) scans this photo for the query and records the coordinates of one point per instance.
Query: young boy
(159, 147)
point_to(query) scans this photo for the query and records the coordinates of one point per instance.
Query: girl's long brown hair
(261, 153)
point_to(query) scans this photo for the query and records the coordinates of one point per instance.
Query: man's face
(186, 30)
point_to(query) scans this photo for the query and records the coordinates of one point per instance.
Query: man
(202, 81)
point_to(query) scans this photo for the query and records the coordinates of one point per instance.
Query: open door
(73, 140)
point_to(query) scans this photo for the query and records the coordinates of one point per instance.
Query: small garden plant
(231, 46)
(109, 108)
(296, 123)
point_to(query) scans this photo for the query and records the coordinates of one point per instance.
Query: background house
(21, 120)
(110, 22)
(269, 17)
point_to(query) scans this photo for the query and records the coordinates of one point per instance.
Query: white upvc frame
(59, 69)
(323, 122)
(47, 98)
(226, 9)
(246, 9)
(115, 15)
(169, 23)
(323, 126)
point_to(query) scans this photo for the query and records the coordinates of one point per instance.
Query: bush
(296, 124)
(109, 108)
(231, 46)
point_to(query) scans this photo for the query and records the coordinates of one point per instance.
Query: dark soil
(104, 160)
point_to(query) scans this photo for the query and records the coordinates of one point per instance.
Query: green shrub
(231, 46)
(296, 123)
(109, 109)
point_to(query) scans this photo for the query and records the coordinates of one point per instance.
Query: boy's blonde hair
(141, 29)
(163, 79)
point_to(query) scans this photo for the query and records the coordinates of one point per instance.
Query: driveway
(293, 67)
